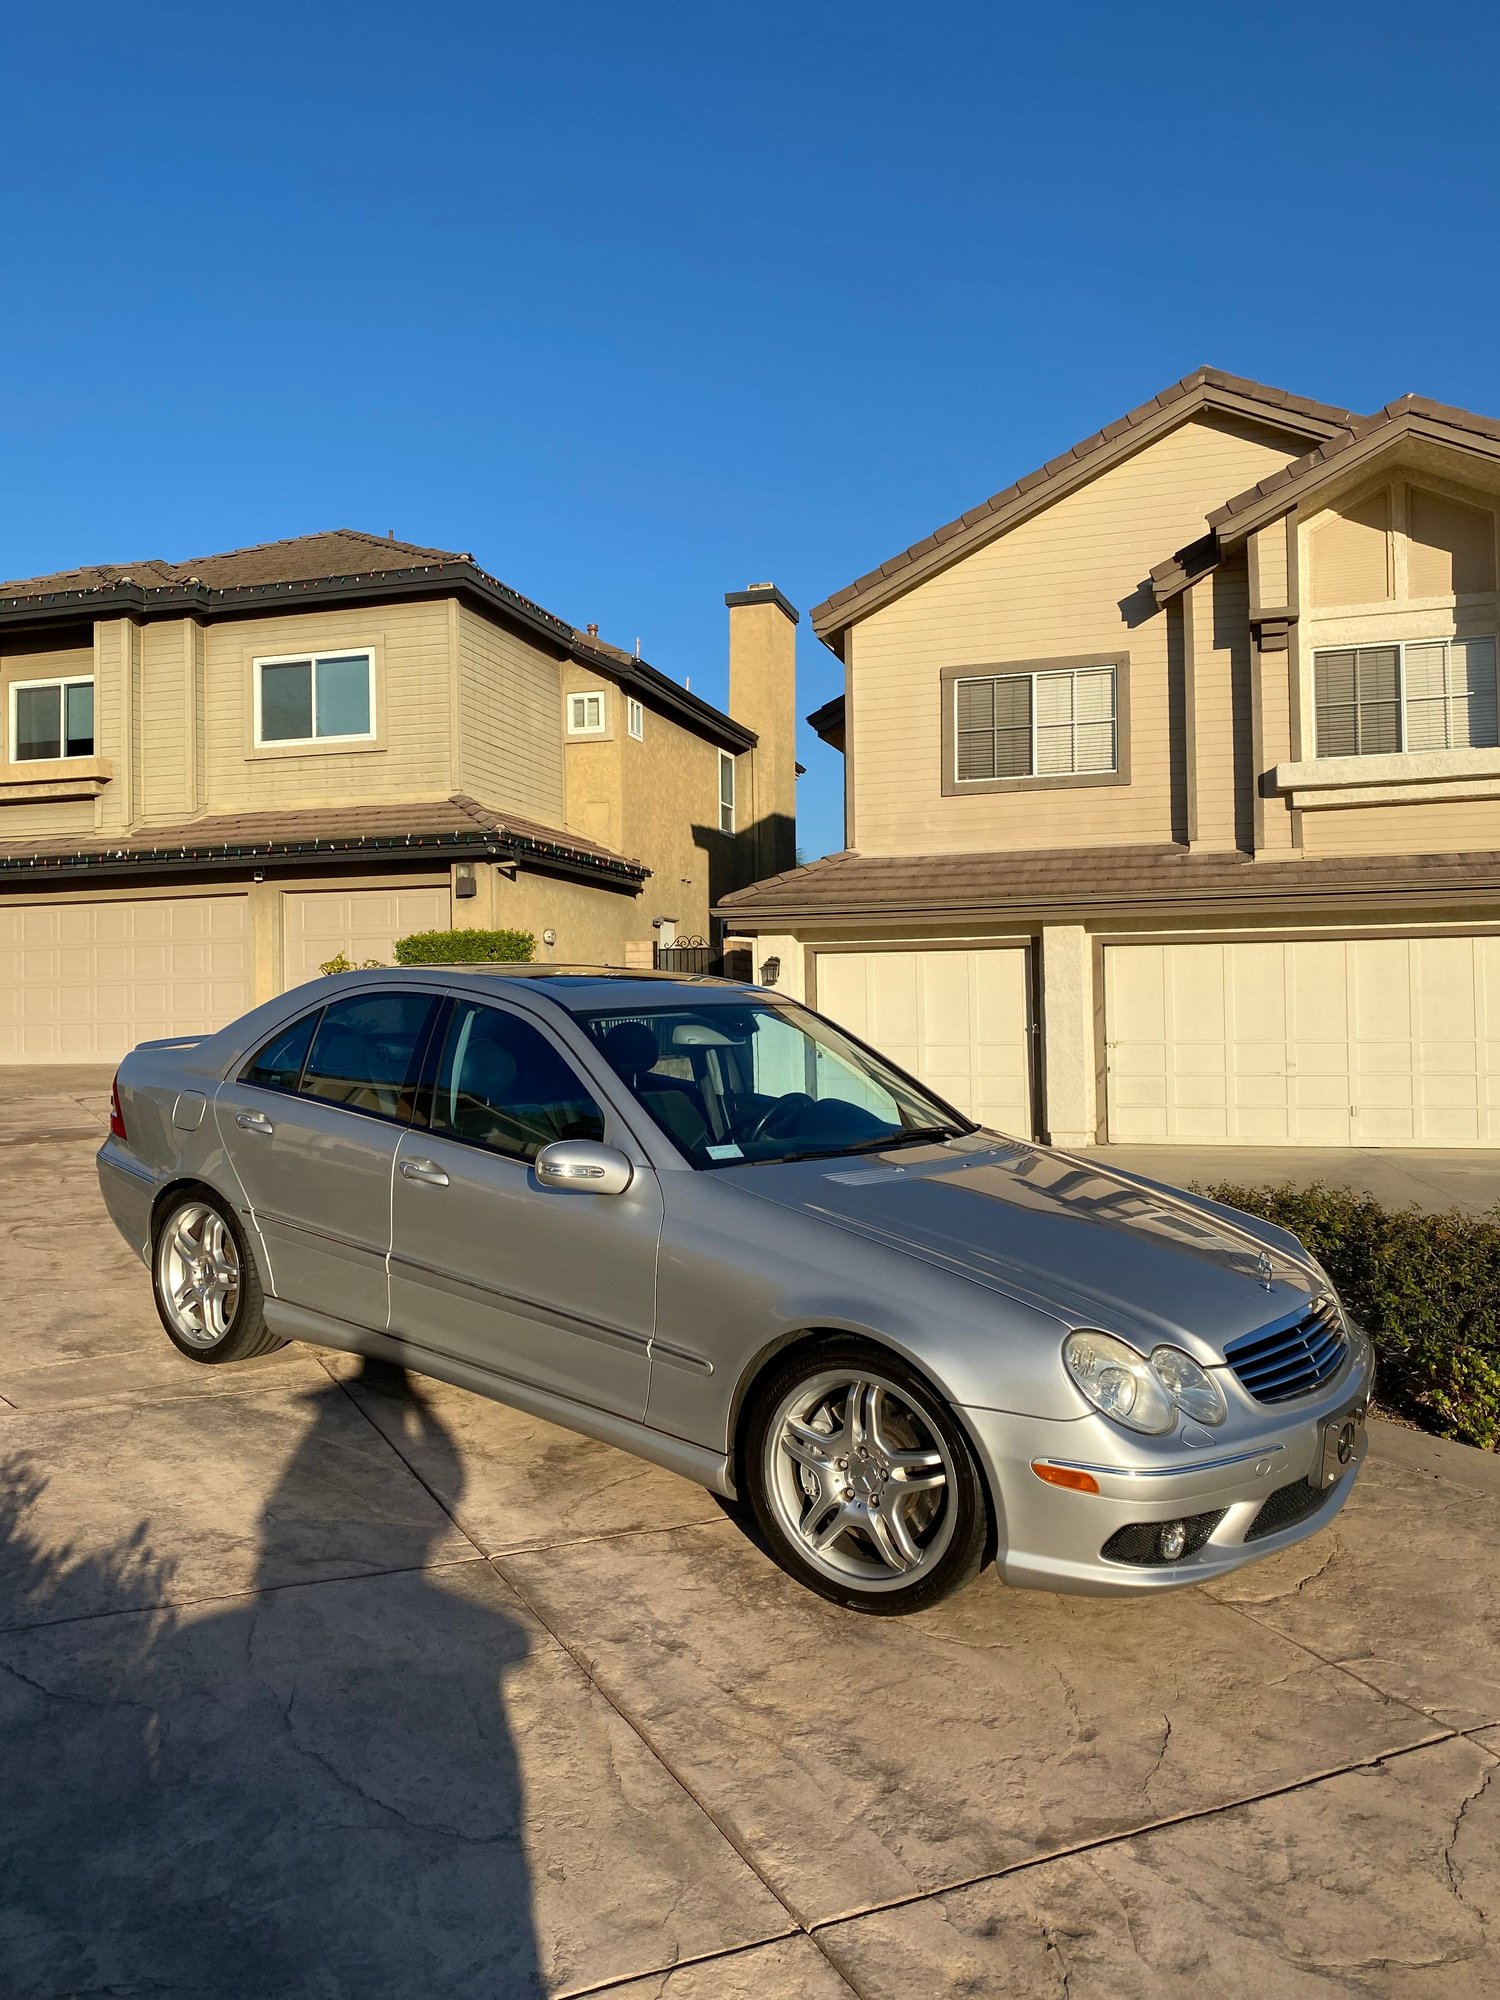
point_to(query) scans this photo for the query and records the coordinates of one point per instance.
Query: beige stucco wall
(1053, 587)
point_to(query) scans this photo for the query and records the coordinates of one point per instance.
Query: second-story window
(315, 697)
(586, 713)
(1051, 724)
(51, 719)
(635, 718)
(1420, 694)
(726, 792)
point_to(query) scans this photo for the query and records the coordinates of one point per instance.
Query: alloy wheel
(860, 1479)
(198, 1274)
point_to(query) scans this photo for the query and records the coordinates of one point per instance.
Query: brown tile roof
(343, 564)
(1205, 386)
(1356, 431)
(1089, 879)
(302, 559)
(435, 823)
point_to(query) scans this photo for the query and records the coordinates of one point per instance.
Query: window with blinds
(1427, 694)
(1042, 725)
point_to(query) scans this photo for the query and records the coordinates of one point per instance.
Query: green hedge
(463, 947)
(1426, 1288)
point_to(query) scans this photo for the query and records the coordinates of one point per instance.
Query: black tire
(952, 1546)
(232, 1326)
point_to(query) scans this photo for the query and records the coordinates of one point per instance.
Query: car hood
(1087, 1245)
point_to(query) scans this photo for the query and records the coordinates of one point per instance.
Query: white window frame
(366, 653)
(62, 682)
(635, 718)
(575, 700)
(1400, 645)
(1035, 775)
(727, 806)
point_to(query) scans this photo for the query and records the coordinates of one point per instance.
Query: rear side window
(278, 1065)
(366, 1052)
(501, 1084)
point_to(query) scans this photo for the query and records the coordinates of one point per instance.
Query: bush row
(1426, 1288)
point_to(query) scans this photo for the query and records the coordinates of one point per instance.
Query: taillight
(116, 1116)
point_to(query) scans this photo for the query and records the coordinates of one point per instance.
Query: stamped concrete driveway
(317, 1681)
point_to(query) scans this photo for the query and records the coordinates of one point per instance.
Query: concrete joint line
(1333, 1666)
(1135, 1832)
(496, 1564)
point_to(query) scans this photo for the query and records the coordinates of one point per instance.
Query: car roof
(578, 988)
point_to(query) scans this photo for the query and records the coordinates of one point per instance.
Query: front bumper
(1051, 1538)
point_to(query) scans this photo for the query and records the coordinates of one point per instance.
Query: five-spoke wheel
(863, 1481)
(207, 1289)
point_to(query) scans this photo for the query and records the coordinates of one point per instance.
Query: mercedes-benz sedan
(699, 1221)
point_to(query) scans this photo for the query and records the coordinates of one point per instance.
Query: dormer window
(586, 713)
(1413, 695)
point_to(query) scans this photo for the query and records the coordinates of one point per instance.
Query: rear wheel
(207, 1289)
(863, 1482)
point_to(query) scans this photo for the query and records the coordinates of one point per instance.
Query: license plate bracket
(1338, 1448)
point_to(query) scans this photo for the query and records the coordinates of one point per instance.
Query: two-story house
(1173, 786)
(216, 775)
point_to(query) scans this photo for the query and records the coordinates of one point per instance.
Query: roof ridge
(1276, 400)
(311, 535)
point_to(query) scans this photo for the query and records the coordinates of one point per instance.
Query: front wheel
(207, 1288)
(863, 1482)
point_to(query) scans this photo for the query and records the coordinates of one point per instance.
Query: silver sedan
(698, 1221)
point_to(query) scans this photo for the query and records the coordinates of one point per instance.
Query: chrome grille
(1293, 1356)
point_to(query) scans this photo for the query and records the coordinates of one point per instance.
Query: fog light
(1172, 1540)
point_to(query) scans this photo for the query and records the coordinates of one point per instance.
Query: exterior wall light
(770, 971)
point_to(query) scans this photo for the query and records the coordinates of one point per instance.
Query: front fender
(738, 1280)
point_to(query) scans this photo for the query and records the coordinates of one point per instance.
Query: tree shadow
(311, 1789)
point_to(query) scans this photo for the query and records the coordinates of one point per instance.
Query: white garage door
(360, 923)
(1341, 1042)
(84, 982)
(957, 1019)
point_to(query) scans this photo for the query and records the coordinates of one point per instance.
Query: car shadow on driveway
(307, 1789)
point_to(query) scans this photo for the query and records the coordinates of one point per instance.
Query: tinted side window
(278, 1064)
(365, 1052)
(503, 1085)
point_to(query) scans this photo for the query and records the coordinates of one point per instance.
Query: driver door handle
(426, 1171)
(254, 1121)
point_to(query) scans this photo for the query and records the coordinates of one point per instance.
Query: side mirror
(583, 1166)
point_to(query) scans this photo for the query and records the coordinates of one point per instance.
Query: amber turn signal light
(1065, 1475)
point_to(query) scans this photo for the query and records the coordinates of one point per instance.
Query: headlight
(1119, 1382)
(1192, 1389)
(1144, 1395)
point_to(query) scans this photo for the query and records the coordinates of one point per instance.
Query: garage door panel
(959, 1020)
(1384, 1041)
(361, 923)
(85, 981)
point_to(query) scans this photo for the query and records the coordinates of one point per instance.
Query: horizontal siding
(1457, 826)
(415, 762)
(1067, 582)
(166, 723)
(19, 820)
(510, 727)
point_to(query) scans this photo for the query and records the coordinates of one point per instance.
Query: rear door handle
(427, 1171)
(253, 1121)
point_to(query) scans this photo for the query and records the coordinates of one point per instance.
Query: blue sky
(645, 303)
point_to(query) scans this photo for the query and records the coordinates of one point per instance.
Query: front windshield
(763, 1080)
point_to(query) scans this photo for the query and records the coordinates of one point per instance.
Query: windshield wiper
(919, 1135)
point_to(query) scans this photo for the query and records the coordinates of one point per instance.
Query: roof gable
(1206, 389)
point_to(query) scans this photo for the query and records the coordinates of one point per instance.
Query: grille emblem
(1266, 1269)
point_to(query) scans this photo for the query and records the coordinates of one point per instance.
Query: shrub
(463, 947)
(342, 962)
(1426, 1288)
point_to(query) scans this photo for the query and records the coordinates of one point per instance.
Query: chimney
(763, 696)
